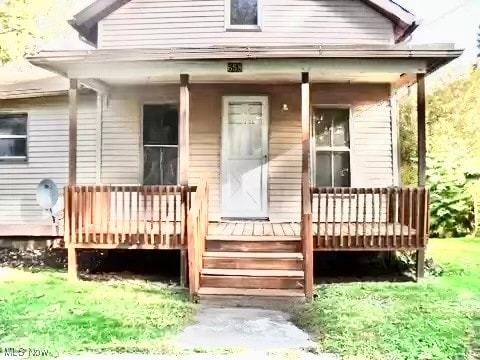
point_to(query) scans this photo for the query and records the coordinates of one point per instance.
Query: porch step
(274, 293)
(254, 273)
(251, 282)
(272, 244)
(253, 260)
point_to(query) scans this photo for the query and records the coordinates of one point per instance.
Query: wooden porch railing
(370, 219)
(197, 228)
(126, 216)
(307, 237)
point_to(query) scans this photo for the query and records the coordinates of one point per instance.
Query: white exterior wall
(187, 23)
(47, 138)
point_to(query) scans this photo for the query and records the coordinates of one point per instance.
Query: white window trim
(314, 148)
(143, 145)
(15, 159)
(230, 27)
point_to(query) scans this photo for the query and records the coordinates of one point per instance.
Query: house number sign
(234, 67)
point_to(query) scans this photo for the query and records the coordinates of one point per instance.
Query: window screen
(160, 144)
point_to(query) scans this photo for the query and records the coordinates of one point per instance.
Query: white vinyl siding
(47, 156)
(186, 23)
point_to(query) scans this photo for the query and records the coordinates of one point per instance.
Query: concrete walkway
(243, 328)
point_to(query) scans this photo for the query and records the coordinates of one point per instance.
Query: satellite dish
(47, 194)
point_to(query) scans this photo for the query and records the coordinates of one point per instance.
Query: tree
(25, 23)
(453, 147)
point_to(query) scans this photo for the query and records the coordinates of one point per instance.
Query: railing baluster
(326, 221)
(94, 215)
(372, 224)
(74, 214)
(101, 212)
(387, 220)
(116, 227)
(364, 238)
(349, 244)
(124, 209)
(410, 216)
(402, 216)
(341, 216)
(109, 205)
(80, 216)
(137, 219)
(67, 213)
(380, 232)
(417, 215)
(160, 223)
(175, 215)
(335, 244)
(167, 217)
(357, 199)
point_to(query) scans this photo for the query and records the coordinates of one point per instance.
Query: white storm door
(245, 157)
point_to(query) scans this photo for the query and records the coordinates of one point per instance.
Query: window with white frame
(243, 14)
(331, 155)
(160, 144)
(13, 137)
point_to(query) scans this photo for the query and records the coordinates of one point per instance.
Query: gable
(362, 15)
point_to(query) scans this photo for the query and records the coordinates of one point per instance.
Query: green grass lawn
(45, 311)
(436, 319)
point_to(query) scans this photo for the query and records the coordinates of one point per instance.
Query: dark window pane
(13, 147)
(243, 12)
(341, 168)
(160, 166)
(322, 124)
(323, 169)
(160, 125)
(341, 133)
(13, 124)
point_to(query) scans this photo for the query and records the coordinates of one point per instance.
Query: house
(245, 133)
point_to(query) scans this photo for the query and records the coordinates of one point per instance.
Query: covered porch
(296, 215)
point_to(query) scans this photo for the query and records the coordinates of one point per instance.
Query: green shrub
(451, 206)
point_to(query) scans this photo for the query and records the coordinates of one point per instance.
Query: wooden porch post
(72, 165)
(422, 155)
(306, 207)
(72, 131)
(184, 157)
(305, 123)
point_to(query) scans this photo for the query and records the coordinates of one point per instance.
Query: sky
(455, 21)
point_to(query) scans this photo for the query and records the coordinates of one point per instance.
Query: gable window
(160, 144)
(13, 137)
(331, 155)
(243, 14)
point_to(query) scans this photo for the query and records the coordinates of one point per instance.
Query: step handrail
(197, 228)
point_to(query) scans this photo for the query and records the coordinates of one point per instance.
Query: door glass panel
(341, 168)
(324, 169)
(245, 130)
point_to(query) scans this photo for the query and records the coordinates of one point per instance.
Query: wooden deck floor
(265, 228)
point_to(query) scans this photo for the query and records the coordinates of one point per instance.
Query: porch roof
(372, 63)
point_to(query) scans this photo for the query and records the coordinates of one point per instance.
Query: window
(160, 144)
(13, 137)
(331, 155)
(243, 14)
